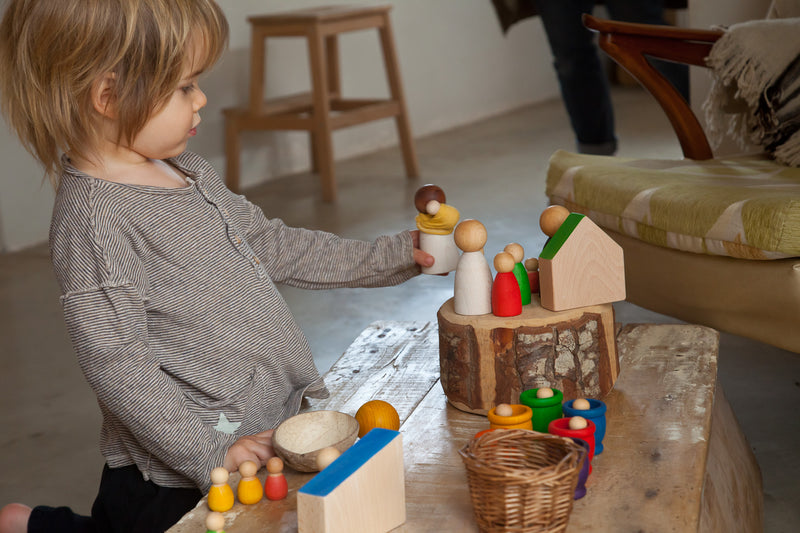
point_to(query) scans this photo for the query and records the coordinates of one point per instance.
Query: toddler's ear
(104, 92)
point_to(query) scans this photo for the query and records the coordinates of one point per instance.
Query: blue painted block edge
(351, 460)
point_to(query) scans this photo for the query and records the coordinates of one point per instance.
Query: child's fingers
(422, 258)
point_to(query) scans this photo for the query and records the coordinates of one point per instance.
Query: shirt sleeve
(108, 330)
(319, 260)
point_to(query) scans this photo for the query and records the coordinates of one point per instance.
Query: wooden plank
(650, 476)
(732, 492)
(397, 362)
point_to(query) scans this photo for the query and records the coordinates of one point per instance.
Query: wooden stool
(323, 109)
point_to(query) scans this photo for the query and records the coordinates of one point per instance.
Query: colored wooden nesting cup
(597, 414)
(560, 426)
(543, 410)
(583, 475)
(520, 418)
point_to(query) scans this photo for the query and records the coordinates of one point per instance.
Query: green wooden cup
(543, 409)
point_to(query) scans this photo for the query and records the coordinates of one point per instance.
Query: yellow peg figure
(220, 495)
(249, 490)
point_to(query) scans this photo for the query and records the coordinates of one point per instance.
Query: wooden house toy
(580, 266)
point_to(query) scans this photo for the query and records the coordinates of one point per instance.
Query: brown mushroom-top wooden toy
(425, 194)
(436, 222)
(552, 218)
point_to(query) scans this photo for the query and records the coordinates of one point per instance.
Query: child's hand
(256, 448)
(421, 258)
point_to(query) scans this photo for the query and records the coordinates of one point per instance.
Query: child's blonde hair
(53, 51)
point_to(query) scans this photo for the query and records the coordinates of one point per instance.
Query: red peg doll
(275, 486)
(506, 298)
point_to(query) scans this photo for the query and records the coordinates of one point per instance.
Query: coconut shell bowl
(298, 440)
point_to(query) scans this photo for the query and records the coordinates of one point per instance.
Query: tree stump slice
(486, 360)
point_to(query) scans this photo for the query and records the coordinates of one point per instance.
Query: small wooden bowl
(299, 439)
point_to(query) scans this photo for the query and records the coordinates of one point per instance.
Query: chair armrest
(630, 44)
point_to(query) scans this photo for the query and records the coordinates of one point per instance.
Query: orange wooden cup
(520, 418)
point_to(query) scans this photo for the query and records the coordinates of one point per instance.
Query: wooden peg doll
(275, 486)
(517, 252)
(220, 495)
(249, 490)
(436, 221)
(506, 298)
(215, 522)
(552, 218)
(532, 269)
(473, 279)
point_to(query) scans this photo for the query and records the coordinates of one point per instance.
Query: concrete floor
(492, 171)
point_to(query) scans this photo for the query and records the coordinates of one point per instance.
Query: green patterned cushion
(745, 207)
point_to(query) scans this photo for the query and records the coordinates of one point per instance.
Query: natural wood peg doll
(473, 280)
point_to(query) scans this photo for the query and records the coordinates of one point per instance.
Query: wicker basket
(522, 481)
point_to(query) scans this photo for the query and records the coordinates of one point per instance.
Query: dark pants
(125, 503)
(583, 83)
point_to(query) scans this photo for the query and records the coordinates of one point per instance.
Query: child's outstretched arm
(319, 260)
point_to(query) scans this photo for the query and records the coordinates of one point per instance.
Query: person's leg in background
(581, 77)
(651, 12)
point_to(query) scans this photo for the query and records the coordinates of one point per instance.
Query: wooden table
(675, 458)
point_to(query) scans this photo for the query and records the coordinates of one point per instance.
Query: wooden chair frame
(630, 44)
(756, 299)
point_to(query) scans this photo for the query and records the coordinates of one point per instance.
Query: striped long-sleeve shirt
(170, 301)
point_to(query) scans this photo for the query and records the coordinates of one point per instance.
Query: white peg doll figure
(436, 222)
(473, 280)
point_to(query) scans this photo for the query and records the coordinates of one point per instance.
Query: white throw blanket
(755, 94)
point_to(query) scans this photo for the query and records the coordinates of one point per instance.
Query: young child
(167, 278)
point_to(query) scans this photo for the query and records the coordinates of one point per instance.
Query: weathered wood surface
(666, 466)
(486, 360)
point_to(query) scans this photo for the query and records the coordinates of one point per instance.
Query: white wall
(456, 65)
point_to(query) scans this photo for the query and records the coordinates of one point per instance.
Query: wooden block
(363, 490)
(486, 360)
(580, 266)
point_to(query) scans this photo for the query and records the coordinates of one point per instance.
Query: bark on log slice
(486, 360)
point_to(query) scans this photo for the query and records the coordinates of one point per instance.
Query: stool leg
(396, 90)
(321, 115)
(257, 70)
(232, 151)
(334, 88)
(332, 55)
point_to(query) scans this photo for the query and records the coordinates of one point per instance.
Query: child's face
(168, 131)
